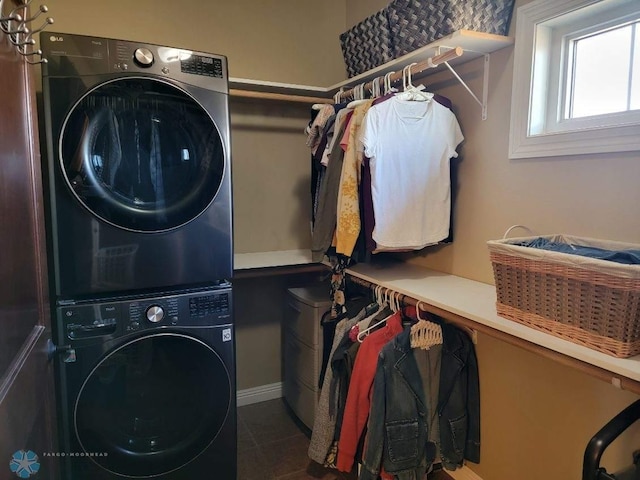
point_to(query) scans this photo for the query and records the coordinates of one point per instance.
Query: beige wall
(360, 9)
(259, 312)
(271, 176)
(291, 41)
(537, 415)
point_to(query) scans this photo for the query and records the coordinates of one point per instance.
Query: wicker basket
(591, 302)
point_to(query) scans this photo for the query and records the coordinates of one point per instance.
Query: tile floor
(272, 445)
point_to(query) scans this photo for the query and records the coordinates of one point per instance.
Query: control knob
(155, 313)
(143, 57)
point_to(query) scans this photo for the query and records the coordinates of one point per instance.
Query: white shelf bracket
(485, 85)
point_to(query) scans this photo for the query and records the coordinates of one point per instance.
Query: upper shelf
(474, 45)
(245, 261)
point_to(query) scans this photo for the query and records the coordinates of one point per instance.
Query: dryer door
(141, 154)
(152, 405)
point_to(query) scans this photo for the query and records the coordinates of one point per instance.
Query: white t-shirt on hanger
(409, 144)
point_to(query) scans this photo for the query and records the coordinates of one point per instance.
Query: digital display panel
(200, 65)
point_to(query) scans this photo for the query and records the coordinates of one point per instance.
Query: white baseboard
(464, 473)
(259, 394)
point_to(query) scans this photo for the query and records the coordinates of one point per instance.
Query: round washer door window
(152, 405)
(141, 154)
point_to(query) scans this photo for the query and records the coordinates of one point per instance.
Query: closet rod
(407, 300)
(420, 67)
(623, 383)
(281, 97)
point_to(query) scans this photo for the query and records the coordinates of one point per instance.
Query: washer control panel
(87, 320)
(156, 311)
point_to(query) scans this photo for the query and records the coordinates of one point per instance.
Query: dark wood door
(26, 377)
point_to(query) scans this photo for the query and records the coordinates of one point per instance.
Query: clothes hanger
(387, 84)
(383, 302)
(397, 302)
(358, 96)
(393, 301)
(411, 92)
(375, 87)
(425, 334)
(371, 310)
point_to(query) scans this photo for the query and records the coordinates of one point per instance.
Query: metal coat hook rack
(17, 26)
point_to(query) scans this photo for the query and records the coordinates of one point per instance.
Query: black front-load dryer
(146, 388)
(137, 167)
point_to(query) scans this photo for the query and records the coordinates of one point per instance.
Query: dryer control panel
(78, 55)
(86, 320)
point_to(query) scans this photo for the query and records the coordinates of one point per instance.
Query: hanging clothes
(341, 120)
(367, 213)
(341, 365)
(316, 127)
(409, 144)
(348, 208)
(458, 400)
(325, 418)
(358, 398)
(323, 425)
(327, 199)
(398, 439)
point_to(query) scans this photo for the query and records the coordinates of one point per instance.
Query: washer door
(152, 405)
(141, 154)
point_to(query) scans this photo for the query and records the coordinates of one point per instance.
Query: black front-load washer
(137, 169)
(146, 387)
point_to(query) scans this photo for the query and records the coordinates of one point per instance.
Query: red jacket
(356, 410)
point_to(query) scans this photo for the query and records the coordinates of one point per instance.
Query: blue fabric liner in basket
(628, 257)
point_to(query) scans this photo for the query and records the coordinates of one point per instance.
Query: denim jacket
(397, 434)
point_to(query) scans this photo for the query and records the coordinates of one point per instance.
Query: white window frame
(532, 134)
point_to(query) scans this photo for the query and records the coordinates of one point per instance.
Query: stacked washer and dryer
(139, 225)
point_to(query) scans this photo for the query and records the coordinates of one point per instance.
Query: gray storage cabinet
(302, 348)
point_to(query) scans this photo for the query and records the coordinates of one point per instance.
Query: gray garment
(429, 363)
(114, 155)
(155, 169)
(325, 223)
(323, 425)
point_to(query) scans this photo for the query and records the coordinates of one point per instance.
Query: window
(576, 78)
(606, 57)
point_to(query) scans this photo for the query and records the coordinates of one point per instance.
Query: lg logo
(53, 38)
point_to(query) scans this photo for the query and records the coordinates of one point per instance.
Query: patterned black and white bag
(489, 16)
(416, 23)
(367, 44)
